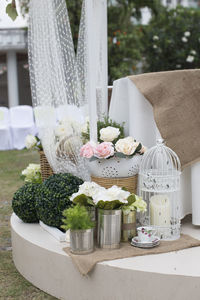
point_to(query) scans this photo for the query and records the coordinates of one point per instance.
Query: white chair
(5, 133)
(22, 124)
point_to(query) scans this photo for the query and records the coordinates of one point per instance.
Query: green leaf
(93, 158)
(83, 200)
(11, 11)
(120, 155)
(109, 205)
(139, 147)
(131, 199)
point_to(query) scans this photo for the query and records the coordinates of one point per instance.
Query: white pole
(12, 78)
(91, 67)
(105, 56)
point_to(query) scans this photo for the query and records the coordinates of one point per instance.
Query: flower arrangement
(33, 142)
(112, 198)
(32, 174)
(111, 142)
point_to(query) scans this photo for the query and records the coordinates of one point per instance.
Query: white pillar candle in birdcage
(159, 185)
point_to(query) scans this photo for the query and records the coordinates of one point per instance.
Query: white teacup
(146, 234)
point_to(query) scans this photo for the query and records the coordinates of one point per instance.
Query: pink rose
(104, 150)
(87, 150)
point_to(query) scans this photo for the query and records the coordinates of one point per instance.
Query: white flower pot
(115, 167)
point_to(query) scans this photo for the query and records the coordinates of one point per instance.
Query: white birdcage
(159, 185)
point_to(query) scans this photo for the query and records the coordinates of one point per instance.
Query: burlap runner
(85, 263)
(175, 97)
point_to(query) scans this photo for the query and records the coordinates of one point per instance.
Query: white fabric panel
(22, 124)
(195, 175)
(130, 106)
(5, 133)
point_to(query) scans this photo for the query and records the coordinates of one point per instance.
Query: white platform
(40, 259)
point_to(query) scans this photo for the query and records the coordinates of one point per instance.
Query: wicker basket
(46, 169)
(130, 183)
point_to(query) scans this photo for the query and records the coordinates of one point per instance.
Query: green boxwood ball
(23, 202)
(54, 198)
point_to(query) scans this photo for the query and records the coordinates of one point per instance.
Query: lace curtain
(59, 80)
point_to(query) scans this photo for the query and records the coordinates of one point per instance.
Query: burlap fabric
(85, 263)
(175, 97)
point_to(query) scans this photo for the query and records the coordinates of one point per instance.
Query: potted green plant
(78, 220)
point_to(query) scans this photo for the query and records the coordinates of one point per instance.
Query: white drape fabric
(56, 88)
(59, 79)
(128, 104)
(5, 132)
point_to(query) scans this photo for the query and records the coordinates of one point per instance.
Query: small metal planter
(109, 228)
(128, 225)
(82, 241)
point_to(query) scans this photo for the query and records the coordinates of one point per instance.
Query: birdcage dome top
(160, 160)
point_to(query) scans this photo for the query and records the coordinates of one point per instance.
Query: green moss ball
(24, 200)
(54, 197)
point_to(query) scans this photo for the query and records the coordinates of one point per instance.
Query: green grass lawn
(12, 284)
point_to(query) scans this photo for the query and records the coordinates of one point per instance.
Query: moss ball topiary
(23, 202)
(54, 197)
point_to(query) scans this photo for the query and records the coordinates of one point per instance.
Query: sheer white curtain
(55, 83)
(60, 78)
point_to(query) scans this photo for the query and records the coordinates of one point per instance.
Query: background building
(14, 76)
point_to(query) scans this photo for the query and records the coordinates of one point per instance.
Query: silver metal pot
(82, 241)
(109, 228)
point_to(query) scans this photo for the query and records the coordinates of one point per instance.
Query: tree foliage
(124, 37)
(172, 40)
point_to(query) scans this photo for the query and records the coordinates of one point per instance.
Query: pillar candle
(160, 210)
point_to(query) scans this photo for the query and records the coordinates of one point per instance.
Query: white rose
(109, 134)
(190, 58)
(63, 131)
(111, 194)
(187, 33)
(30, 141)
(116, 193)
(126, 146)
(184, 39)
(155, 47)
(89, 189)
(71, 124)
(155, 38)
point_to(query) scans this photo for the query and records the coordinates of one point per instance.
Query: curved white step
(40, 259)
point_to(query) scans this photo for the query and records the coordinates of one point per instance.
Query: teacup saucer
(137, 243)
